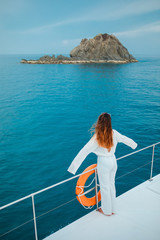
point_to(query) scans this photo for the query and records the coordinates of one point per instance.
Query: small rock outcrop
(103, 48)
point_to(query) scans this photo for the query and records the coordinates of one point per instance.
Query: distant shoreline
(77, 61)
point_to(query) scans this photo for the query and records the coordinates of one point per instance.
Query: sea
(46, 113)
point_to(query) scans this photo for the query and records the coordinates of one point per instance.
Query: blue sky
(57, 26)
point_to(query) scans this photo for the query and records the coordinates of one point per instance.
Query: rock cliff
(103, 48)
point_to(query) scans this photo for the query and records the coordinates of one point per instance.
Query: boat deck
(137, 217)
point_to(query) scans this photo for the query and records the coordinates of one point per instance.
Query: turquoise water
(46, 112)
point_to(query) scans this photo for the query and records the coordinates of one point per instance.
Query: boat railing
(32, 195)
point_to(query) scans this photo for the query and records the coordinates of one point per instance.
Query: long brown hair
(103, 131)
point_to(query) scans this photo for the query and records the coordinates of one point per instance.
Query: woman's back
(93, 146)
(117, 137)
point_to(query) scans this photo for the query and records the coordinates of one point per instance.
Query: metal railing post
(96, 188)
(34, 216)
(152, 163)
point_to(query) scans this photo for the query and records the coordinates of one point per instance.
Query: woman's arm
(77, 161)
(126, 140)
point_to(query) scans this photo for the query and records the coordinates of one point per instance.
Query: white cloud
(110, 12)
(71, 41)
(153, 27)
(106, 12)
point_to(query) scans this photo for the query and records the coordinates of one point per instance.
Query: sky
(57, 26)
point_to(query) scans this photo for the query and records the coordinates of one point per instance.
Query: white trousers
(107, 167)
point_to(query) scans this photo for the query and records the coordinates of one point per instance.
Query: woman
(103, 144)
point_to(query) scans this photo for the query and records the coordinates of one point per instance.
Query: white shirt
(92, 146)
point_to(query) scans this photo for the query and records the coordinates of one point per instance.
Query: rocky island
(103, 48)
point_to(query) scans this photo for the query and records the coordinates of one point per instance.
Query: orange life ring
(80, 188)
